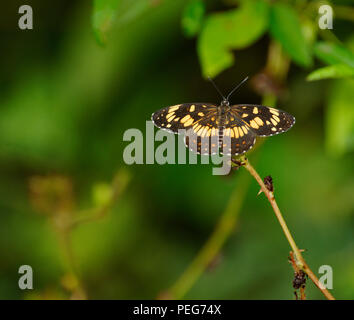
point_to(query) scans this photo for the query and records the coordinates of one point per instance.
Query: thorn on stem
(300, 278)
(268, 182)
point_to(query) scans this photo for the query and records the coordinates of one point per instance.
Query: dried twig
(300, 261)
(300, 278)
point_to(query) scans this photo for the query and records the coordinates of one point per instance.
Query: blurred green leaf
(129, 10)
(102, 193)
(193, 17)
(309, 29)
(235, 29)
(104, 12)
(286, 28)
(330, 72)
(331, 53)
(340, 118)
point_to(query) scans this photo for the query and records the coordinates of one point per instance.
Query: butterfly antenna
(217, 89)
(239, 85)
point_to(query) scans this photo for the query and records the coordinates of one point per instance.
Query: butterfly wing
(237, 136)
(182, 116)
(207, 137)
(202, 137)
(263, 121)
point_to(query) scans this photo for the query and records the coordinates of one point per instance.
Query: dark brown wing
(238, 137)
(182, 116)
(263, 121)
(233, 139)
(202, 137)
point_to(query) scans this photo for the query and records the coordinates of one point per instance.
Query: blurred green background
(89, 70)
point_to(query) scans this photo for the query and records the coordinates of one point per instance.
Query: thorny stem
(301, 263)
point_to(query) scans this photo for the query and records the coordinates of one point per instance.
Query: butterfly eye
(225, 103)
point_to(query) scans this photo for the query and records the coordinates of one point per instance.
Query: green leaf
(309, 29)
(193, 17)
(102, 194)
(235, 29)
(331, 53)
(330, 72)
(132, 9)
(340, 118)
(286, 28)
(104, 12)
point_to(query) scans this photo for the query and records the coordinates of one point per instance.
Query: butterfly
(226, 129)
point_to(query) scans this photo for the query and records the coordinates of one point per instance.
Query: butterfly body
(228, 129)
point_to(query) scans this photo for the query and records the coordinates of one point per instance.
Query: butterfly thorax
(223, 109)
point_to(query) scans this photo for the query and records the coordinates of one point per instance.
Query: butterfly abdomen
(221, 124)
(221, 136)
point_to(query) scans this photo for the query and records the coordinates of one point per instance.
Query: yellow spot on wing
(255, 110)
(203, 132)
(240, 132)
(259, 121)
(254, 124)
(188, 122)
(200, 130)
(244, 115)
(236, 132)
(185, 118)
(174, 108)
(274, 111)
(273, 121)
(276, 118)
(201, 114)
(192, 108)
(171, 118)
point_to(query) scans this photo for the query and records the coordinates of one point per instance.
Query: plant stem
(119, 183)
(300, 260)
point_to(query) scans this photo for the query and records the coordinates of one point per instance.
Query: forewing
(202, 137)
(182, 116)
(263, 121)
